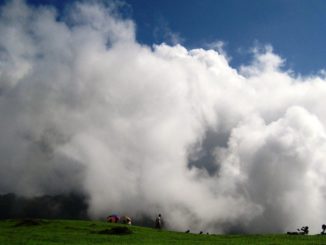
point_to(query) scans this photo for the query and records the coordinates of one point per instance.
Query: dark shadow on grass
(29, 222)
(120, 230)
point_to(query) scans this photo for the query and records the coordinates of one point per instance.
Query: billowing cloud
(140, 130)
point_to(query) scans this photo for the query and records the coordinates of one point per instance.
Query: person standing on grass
(158, 222)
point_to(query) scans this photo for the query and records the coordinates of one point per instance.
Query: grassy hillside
(90, 232)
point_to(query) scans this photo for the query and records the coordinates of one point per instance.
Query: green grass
(86, 232)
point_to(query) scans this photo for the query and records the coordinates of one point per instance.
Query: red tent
(113, 218)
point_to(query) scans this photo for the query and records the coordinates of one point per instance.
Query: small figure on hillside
(158, 222)
(303, 231)
(323, 227)
(201, 232)
(187, 231)
(126, 220)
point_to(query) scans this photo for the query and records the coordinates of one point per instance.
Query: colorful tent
(113, 218)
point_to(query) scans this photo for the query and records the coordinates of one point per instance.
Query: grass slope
(87, 232)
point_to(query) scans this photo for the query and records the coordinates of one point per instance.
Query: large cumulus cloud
(84, 107)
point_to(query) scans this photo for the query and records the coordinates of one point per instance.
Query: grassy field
(95, 232)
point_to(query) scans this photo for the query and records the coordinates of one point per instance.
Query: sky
(215, 120)
(295, 28)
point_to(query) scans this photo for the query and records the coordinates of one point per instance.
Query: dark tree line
(65, 206)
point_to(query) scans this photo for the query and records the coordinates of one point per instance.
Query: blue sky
(295, 28)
